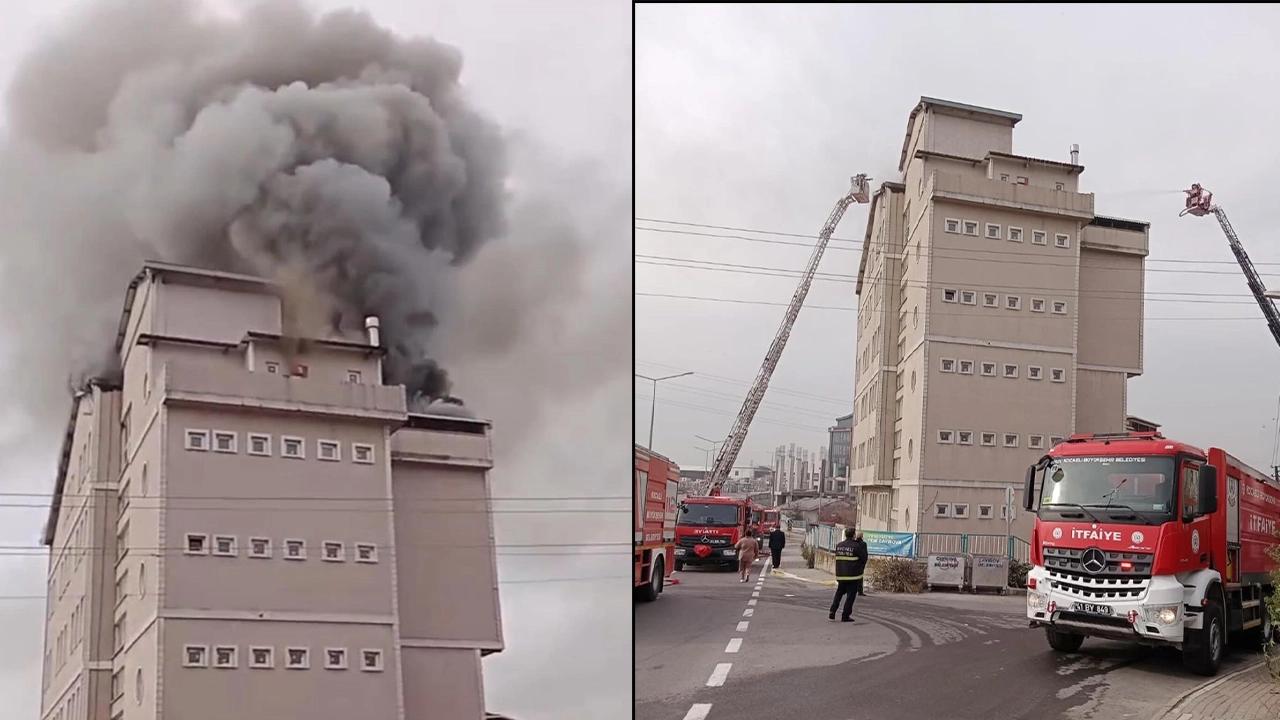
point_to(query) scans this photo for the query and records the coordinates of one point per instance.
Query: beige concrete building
(250, 526)
(997, 314)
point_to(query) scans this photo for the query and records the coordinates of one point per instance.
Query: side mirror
(1208, 480)
(1029, 490)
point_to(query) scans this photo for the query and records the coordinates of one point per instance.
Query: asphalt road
(706, 650)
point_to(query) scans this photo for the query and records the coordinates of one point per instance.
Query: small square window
(261, 657)
(1010, 370)
(197, 440)
(988, 439)
(223, 441)
(1011, 440)
(224, 656)
(942, 510)
(1059, 307)
(195, 656)
(335, 659)
(1015, 234)
(1057, 375)
(1054, 440)
(993, 231)
(224, 545)
(1035, 442)
(197, 544)
(984, 511)
(333, 551)
(971, 228)
(988, 369)
(259, 547)
(295, 549)
(1062, 240)
(1013, 302)
(362, 453)
(952, 225)
(968, 297)
(1035, 372)
(328, 450)
(1004, 177)
(273, 368)
(1038, 237)
(292, 447)
(297, 658)
(964, 437)
(960, 510)
(946, 437)
(353, 376)
(950, 295)
(1059, 186)
(366, 553)
(300, 370)
(1037, 304)
(260, 444)
(990, 300)
(371, 660)
(966, 367)
(1023, 180)
(948, 365)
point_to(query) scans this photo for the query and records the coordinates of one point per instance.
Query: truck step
(1250, 603)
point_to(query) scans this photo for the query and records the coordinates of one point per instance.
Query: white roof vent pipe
(1075, 154)
(372, 326)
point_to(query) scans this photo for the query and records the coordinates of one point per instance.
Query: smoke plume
(323, 152)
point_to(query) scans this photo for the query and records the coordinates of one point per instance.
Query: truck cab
(709, 528)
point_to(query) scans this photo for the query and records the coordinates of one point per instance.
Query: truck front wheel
(1063, 641)
(1202, 650)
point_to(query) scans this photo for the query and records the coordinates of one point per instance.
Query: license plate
(679, 551)
(730, 553)
(1091, 608)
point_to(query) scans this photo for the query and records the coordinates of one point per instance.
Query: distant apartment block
(998, 314)
(251, 525)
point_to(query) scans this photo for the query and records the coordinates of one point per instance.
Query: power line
(767, 404)
(522, 581)
(725, 413)
(737, 381)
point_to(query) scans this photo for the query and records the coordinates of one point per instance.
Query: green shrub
(1270, 650)
(903, 575)
(1018, 573)
(806, 552)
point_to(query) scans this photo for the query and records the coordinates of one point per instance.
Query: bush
(806, 552)
(903, 575)
(1271, 650)
(1018, 573)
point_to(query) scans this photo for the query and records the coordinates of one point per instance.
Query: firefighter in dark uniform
(851, 561)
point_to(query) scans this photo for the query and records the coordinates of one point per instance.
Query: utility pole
(1008, 520)
(653, 406)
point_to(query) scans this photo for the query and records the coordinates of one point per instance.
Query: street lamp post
(715, 448)
(654, 404)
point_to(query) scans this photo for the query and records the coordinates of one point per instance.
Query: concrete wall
(1100, 401)
(1111, 310)
(442, 683)
(967, 137)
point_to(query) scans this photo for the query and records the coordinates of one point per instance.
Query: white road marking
(733, 645)
(748, 612)
(719, 675)
(742, 626)
(752, 601)
(699, 711)
(755, 594)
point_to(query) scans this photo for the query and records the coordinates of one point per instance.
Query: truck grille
(1067, 574)
(711, 541)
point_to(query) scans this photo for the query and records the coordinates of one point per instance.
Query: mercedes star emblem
(1093, 561)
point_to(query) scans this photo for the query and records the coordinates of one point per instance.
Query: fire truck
(656, 478)
(1142, 538)
(708, 529)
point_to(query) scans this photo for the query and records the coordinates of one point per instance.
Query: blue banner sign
(896, 544)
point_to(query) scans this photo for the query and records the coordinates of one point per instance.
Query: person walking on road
(777, 541)
(851, 562)
(747, 548)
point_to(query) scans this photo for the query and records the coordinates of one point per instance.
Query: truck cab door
(1195, 537)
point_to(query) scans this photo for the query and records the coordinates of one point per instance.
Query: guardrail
(824, 536)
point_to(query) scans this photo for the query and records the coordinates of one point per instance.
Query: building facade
(998, 313)
(841, 447)
(252, 525)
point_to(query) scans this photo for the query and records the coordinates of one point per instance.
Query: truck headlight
(1164, 614)
(1035, 600)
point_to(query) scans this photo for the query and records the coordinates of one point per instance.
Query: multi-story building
(252, 525)
(841, 446)
(998, 313)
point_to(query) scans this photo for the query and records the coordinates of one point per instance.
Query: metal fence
(825, 536)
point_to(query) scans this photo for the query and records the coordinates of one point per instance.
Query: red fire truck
(656, 478)
(709, 528)
(1146, 539)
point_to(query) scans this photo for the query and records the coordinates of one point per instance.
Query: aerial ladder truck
(1200, 203)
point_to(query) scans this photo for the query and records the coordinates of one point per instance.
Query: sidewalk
(1247, 694)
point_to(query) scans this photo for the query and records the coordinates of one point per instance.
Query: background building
(997, 314)
(252, 525)
(841, 446)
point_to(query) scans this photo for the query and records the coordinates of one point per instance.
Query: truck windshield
(708, 514)
(1118, 486)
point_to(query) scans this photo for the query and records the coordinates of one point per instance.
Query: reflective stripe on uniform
(848, 577)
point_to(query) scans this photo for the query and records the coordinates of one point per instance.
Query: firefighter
(851, 561)
(777, 541)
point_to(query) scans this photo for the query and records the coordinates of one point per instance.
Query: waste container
(988, 572)
(946, 571)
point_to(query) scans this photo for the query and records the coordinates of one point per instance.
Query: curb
(1167, 710)
(784, 573)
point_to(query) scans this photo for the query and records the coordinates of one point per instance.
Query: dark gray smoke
(323, 152)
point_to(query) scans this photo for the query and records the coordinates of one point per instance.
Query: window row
(995, 231)
(961, 511)
(987, 438)
(226, 441)
(1011, 302)
(1011, 371)
(301, 370)
(262, 657)
(260, 547)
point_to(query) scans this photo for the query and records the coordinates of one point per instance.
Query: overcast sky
(755, 117)
(557, 77)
